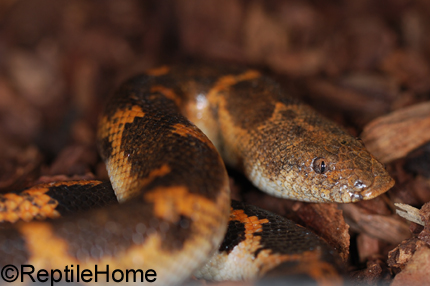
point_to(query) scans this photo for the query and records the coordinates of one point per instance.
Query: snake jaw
(380, 184)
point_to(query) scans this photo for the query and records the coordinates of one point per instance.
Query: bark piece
(379, 205)
(417, 271)
(400, 256)
(395, 135)
(327, 221)
(386, 228)
(376, 272)
(425, 217)
(410, 213)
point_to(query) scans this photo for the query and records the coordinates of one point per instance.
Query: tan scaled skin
(279, 143)
(173, 181)
(281, 149)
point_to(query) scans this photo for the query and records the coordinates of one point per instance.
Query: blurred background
(363, 57)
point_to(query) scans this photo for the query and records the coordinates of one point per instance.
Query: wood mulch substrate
(364, 64)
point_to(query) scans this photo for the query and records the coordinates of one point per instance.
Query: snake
(166, 136)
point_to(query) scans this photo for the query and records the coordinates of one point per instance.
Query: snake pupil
(319, 165)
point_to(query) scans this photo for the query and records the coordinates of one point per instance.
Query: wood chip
(400, 256)
(408, 212)
(386, 228)
(393, 136)
(417, 271)
(327, 221)
(425, 217)
(376, 273)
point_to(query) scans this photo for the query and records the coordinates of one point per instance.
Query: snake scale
(174, 189)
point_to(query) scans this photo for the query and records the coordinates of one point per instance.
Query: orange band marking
(163, 170)
(171, 202)
(112, 128)
(167, 92)
(229, 80)
(252, 223)
(193, 132)
(38, 236)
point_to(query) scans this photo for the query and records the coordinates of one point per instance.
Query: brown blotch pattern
(144, 135)
(42, 201)
(178, 186)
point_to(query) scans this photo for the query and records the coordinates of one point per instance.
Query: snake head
(313, 159)
(344, 171)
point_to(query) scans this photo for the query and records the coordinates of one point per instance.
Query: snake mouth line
(380, 185)
(356, 197)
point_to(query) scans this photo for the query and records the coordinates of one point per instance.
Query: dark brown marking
(298, 131)
(195, 160)
(235, 235)
(243, 106)
(151, 135)
(283, 236)
(289, 114)
(111, 231)
(105, 148)
(81, 197)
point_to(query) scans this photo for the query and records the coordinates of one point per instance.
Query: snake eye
(319, 165)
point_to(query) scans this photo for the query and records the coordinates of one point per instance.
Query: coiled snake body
(174, 188)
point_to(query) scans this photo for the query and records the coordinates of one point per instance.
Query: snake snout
(380, 185)
(366, 189)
